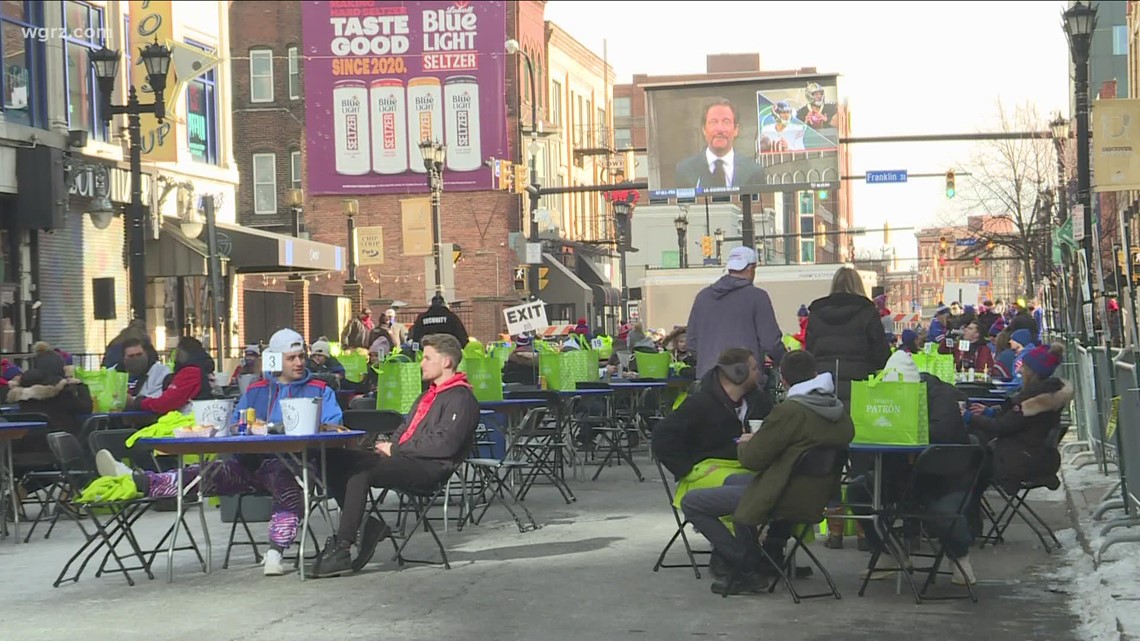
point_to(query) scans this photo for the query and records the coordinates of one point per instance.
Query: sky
(906, 68)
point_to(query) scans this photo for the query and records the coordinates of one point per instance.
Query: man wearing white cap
(733, 312)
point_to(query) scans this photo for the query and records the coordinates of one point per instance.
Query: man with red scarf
(423, 453)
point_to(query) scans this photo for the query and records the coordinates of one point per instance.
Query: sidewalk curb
(1083, 539)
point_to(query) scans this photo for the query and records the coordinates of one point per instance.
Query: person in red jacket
(978, 357)
(190, 381)
(802, 314)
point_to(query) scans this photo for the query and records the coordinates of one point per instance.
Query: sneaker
(885, 568)
(106, 464)
(741, 583)
(965, 574)
(274, 564)
(374, 532)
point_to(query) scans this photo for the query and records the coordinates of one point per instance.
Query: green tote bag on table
(355, 365)
(941, 366)
(485, 376)
(889, 413)
(398, 384)
(564, 370)
(651, 365)
(108, 388)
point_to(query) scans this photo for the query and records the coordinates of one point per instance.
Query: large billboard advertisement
(380, 77)
(743, 136)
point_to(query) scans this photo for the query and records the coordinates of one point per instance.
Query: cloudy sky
(906, 68)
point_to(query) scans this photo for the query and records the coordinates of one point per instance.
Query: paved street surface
(585, 575)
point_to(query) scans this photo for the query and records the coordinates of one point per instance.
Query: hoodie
(810, 417)
(732, 312)
(442, 426)
(265, 397)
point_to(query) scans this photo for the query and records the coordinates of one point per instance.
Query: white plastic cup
(754, 425)
(301, 416)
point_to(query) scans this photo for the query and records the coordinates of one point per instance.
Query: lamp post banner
(383, 76)
(1116, 144)
(153, 21)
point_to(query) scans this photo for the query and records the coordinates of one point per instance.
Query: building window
(265, 183)
(22, 54)
(202, 113)
(1120, 40)
(622, 107)
(623, 138)
(295, 169)
(807, 251)
(83, 33)
(260, 75)
(807, 204)
(294, 73)
(556, 103)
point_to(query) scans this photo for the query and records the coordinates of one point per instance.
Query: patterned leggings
(229, 477)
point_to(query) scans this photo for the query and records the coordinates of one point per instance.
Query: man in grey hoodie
(733, 312)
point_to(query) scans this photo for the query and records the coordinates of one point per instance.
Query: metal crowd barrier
(1127, 441)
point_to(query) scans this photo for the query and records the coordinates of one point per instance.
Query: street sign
(966, 242)
(888, 176)
(534, 253)
(1078, 219)
(528, 317)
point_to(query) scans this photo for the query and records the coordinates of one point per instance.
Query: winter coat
(63, 404)
(986, 322)
(978, 358)
(1024, 321)
(355, 334)
(705, 426)
(190, 382)
(1022, 434)
(448, 416)
(846, 328)
(265, 398)
(810, 417)
(439, 320)
(732, 312)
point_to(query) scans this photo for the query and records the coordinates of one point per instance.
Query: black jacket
(847, 328)
(439, 320)
(986, 322)
(1024, 320)
(447, 433)
(705, 426)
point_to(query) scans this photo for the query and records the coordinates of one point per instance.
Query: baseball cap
(740, 258)
(286, 341)
(252, 349)
(321, 347)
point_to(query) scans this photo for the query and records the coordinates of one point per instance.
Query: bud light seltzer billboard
(380, 77)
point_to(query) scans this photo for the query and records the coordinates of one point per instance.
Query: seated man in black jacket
(424, 452)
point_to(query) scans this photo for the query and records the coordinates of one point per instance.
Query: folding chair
(1016, 504)
(543, 445)
(617, 428)
(494, 474)
(682, 523)
(936, 465)
(815, 477)
(42, 480)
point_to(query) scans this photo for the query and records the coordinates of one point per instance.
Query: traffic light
(977, 260)
(950, 189)
(542, 279)
(990, 246)
(707, 246)
(520, 179)
(520, 279)
(506, 174)
(942, 243)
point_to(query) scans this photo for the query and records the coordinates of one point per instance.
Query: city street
(585, 575)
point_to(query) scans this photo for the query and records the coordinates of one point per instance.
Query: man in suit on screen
(719, 165)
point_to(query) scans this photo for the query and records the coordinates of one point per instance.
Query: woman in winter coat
(1023, 432)
(844, 328)
(47, 388)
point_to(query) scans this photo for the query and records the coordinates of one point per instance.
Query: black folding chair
(40, 477)
(815, 478)
(937, 465)
(494, 474)
(682, 523)
(1016, 504)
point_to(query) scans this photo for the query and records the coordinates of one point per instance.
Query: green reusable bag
(653, 365)
(501, 352)
(485, 376)
(474, 349)
(888, 413)
(604, 346)
(791, 343)
(941, 366)
(545, 347)
(355, 365)
(108, 388)
(564, 370)
(398, 385)
(335, 351)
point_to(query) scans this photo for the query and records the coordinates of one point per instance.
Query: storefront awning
(563, 287)
(605, 294)
(253, 251)
(173, 254)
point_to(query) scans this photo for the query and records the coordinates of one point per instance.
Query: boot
(740, 582)
(834, 530)
(719, 567)
(765, 568)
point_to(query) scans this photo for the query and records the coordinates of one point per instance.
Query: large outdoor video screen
(743, 136)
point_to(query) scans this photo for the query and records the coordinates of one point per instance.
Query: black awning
(605, 294)
(173, 254)
(254, 251)
(563, 287)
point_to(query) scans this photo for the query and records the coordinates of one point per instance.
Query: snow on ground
(1106, 598)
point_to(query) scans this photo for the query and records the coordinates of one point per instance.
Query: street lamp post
(1079, 22)
(682, 225)
(718, 235)
(105, 63)
(622, 210)
(434, 154)
(1059, 128)
(351, 208)
(513, 47)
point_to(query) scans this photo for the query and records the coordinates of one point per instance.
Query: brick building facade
(270, 141)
